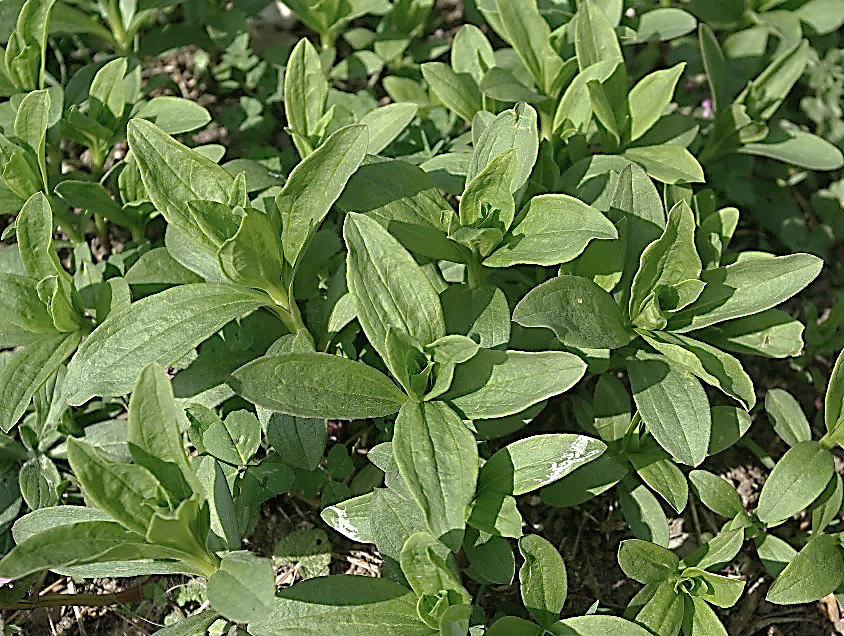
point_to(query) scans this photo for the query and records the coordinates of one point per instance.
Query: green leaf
(160, 328)
(719, 550)
(31, 123)
(514, 128)
(750, 285)
(826, 507)
(716, 493)
(28, 370)
(663, 24)
(128, 492)
(537, 461)
(815, 572)
(667, 163)
(714, 65)
(647, 562)
(437, 457)
(578, 311)
(488, 196)
(91, 196)
(699, 619)
(774, 553)
(797, 148)
(243, 589)
(766, 92)
(389, 289)
(713, 366)
(500, 84)
(305, 92)
(649, 98)
(314, 186)
(154, 437)
(520, 23)
(394, 190)
(351, 605)
(491, 559)
(771, 333)
(574, 112)
(351, 518)
(27, 45)
(317, 385)
(174, 115)
(551, 229)
(425, 570)
(663, 476)
(666, 263)
(586, 482)
(542, 579)
(107, 96)
(498, 383)
(673, 406)
(252, 257)
(787, 417)
(225, 531)
(386, 123)
(496, 513)
(481, 314)
(457, 91)
(721, 591)
(234, 440)
(471, 52)
(642, 512)
(834, 399)
(62, 546)
(594, 37)
(174, 175)
(455, 620)
(514, 626)
(799, 477)
(663, 612)
(34, 231)
(299, 441)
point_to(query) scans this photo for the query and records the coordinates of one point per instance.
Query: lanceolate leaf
(126, 491)
(314, 186)
(537, 461)
(438, 458)
(317, 385)
(552, 229)
(542, 578)
(64, 545)
(500, 383)
(160, 328)
(673, 406)
(817, 570)
(752, 284)
(796, 481)
(174, 174)
(390, 290)
(711, 365)
(28, 370)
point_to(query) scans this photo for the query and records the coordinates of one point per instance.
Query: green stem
(287, 311)
(115, 23)
(546, 124)
(476, 273)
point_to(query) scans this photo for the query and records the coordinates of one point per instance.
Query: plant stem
(115, 23)
(91, 600)
(476, 273)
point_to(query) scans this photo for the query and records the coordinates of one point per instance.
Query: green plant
(523, 284)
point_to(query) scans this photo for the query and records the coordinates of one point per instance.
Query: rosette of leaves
(682, 312)
(498, 224)
(679, 594)
(248, 254)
